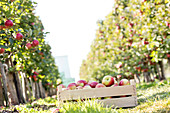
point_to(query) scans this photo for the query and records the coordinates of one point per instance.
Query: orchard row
(133, 40)
(23, 49)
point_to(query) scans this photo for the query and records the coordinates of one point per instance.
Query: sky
(72, 25)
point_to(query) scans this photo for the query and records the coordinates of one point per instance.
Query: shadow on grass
(158, 96)
(145, 86)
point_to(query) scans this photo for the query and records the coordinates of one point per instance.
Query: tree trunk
(169, 61)
(137, 77)
(1, 93)
(28, 89)
(12, 90)
(158, 71)
(23, 85)
(42, 92)
(4, 81)
(33, 89)
(37, 91)
(146, 76)
(162, 70)
(19, 87)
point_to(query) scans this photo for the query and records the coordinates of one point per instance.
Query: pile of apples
(107, 81)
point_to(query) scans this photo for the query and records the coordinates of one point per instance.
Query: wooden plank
(97, 92)
(119, 102)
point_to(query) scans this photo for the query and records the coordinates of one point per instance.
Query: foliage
(132, 39)
(36, 58)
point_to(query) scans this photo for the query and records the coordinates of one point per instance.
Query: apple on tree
(35, 43)
(28, 45)
(34, 77)
(19, 36)
(8, 23)
(108, 80)
(2, 27)
(168, 55)
(35, 73)
(2, 50)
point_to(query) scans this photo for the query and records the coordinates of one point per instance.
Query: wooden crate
(116, 94)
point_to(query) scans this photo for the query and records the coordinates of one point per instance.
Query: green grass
(152, 97)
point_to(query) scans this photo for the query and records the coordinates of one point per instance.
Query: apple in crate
(63, 86)
(87, 86)
(108, 80)
(79, 87)
(81, 83)
(99, 85)
(93, 84)
(123, 82)
(72, 86)
(115, 84)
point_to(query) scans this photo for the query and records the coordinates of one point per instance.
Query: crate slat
(120, 102)
(97, 92)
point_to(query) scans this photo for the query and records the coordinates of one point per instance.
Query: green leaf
(2, 46)
(11, 40)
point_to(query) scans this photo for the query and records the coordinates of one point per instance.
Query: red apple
(108, 80)
(93, 84)
(34, 77)
(117, 27)
(8, 23)
(87, 86)
(119, 76)
(81, 83)
(32, 23)
(56, 110)
(145, 42)
(2, 50)
(35, 43)
(145, 70)
(2, 27)
(130, 24)
(79, 87)
(63, 86)
(115, 84)
(99, 85)
(168, 55)
(19, 36)
(28, 45)
(64, 89)
(167, 24)
(123, 82)
(35, 73)
(72, 86)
